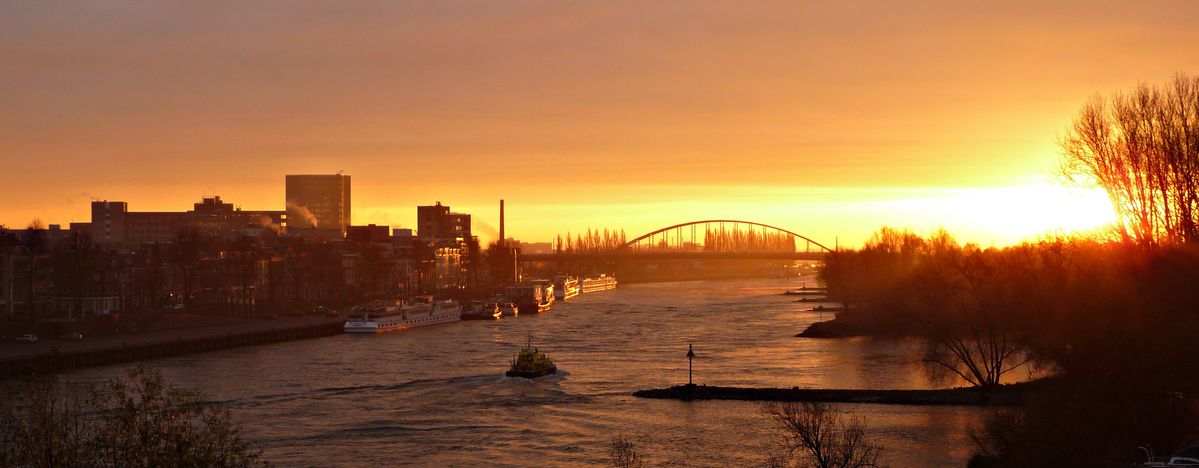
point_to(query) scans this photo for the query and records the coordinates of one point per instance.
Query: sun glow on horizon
(1024, 212)
(988, 216)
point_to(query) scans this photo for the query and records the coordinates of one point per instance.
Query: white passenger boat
(566, 287)
(396, 318)
(598, 283)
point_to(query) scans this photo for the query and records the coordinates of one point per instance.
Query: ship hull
(533, 374)
(566, 293)
(388, 325)
(602, 283)
(533, 307)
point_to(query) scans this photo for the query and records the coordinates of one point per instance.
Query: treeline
(1113, 323)
(594, 240)
(733, 239)
(749, 240)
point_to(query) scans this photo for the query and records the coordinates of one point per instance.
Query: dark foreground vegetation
(999, 395)
(137, 421)
(1114, 316)
(803, 434)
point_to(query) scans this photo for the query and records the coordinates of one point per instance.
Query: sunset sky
(829, 118)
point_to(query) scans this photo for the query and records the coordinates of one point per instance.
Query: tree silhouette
(76, 267)
(187, 253)
(35, 246)
(1142, 146)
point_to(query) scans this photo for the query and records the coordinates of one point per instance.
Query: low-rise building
(368, 233)
(113, 224)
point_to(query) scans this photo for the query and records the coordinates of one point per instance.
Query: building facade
(318, 202)
(368, 233)
(108, 221)
(437, 222)
(113, 224)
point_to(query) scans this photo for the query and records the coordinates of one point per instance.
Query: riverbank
(629, 278)
(854, 322)
(52, 356)
(1004, 395)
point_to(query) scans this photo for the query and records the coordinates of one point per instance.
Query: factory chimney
(502, 238)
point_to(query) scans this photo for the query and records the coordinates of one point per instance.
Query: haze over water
(437, 396)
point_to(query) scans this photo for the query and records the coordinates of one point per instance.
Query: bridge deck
(643, 255)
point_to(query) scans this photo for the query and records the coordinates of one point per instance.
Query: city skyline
(815, 117)
(984, 227)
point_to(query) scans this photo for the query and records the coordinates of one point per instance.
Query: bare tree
(967, 319)
(77, 265)
(1142, 146)
(817, 435)
(624, 454)
(245, 250)
(377, 271)
(138, 421)
(188, 256)
(35, 246)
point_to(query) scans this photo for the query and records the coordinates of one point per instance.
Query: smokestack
(501, 242)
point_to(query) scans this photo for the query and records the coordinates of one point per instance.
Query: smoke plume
(301, 212)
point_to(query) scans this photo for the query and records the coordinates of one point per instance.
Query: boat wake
(485, 387)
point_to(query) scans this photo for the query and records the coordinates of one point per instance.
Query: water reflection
(437, 395)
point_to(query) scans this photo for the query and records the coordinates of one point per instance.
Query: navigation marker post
(690, 356)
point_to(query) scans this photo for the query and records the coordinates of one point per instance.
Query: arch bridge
(709, 238)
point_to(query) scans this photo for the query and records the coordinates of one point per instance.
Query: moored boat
(598, 283)
(481, 311)
(566, 287)
(547, 290)
(402, 317)
(530, 297)
(509, 309)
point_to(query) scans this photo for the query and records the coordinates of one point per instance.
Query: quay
(52, 356)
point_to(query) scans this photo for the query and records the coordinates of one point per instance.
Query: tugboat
(531, 363)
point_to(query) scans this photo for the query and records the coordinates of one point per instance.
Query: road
(12, 350)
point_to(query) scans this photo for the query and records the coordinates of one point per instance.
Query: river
(437, 396)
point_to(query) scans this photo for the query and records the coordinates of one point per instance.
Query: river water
(437, 396)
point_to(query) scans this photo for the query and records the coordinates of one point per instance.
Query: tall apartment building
(108, 221)
(318, 203)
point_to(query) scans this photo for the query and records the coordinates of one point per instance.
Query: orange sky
(830, 120)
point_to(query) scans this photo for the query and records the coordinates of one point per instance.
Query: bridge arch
(663, 231)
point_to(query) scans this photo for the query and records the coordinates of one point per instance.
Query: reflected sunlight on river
(438, 396)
